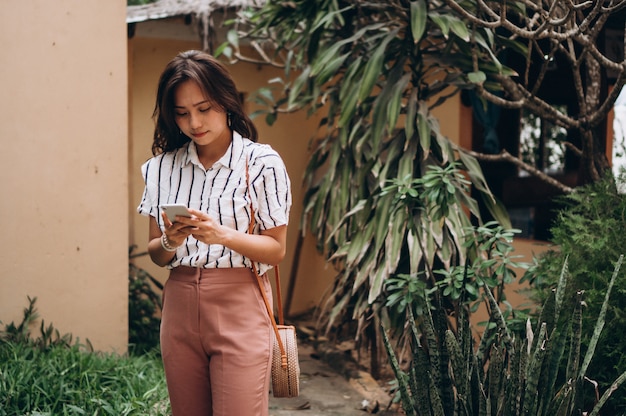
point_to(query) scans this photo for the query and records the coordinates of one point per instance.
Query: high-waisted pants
(216, 340)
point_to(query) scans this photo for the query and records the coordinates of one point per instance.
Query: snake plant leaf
(561, 405)
(573, 363)
(458, 360)
(400, 375)
(600, 322)
(530, 403)
(436, 402)
(514, 383)
(496, 314)
(496, 374)
(554, 354)
(607, 394)
(561, 289)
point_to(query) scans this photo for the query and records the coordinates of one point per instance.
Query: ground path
(326, 390)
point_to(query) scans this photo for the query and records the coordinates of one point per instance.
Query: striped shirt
(221, 191)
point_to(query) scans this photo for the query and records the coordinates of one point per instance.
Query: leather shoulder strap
(281, 318)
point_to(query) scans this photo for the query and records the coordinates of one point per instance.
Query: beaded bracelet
(166, 244)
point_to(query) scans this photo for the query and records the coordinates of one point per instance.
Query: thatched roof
(201, 10)
(162, 9)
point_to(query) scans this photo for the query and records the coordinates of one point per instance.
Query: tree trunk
(594, 162)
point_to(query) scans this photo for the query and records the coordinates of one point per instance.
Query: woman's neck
(209, 154)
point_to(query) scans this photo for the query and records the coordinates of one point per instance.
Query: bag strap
(281, 320)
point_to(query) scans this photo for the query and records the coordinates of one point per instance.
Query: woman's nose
(195, 121)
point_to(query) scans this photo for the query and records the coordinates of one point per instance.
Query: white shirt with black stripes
(221, 191)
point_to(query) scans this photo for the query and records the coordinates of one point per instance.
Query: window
(541, 143)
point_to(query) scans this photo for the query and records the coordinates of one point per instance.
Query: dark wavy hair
(216, 83)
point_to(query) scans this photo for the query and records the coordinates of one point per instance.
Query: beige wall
(290, 136)
(64, 199)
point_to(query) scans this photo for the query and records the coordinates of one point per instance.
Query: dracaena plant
(386, 191)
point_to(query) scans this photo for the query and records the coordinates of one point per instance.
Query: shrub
(590, 230)
(505, 374)
(49, 375)
(144, 307)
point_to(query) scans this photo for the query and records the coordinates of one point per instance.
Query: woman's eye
(181, 114)
(204, 110)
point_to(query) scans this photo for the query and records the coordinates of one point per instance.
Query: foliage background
(589, 232)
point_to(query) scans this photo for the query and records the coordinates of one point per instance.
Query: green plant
(48, 337)
(138, 2)
(489, 263)
(387, 193)
(49, 375)
(506, 373)
(144, 307)
(590, 229)
(69, 381)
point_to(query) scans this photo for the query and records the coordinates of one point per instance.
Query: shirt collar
(229, 160)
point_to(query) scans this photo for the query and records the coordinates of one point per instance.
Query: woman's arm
(176, 234)
(269, 247)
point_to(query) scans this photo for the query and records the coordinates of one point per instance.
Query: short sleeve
(272, 188)
(150, 171)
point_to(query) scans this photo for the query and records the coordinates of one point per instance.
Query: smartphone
(172, 210)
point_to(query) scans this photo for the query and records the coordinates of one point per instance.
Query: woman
(216, 336)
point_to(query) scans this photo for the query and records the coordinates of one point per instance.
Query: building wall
(64, 199)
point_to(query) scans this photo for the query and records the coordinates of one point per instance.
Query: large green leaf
(419, 13)
(373, 67)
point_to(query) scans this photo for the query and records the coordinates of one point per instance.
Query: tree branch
(505, 156)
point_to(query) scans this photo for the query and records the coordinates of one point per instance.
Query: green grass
(61, 380)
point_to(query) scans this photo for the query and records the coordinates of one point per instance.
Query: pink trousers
(216, 340)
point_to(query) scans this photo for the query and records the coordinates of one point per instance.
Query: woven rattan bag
(285, 360)
(285, 364)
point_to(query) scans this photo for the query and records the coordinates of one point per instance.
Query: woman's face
(198, 118)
